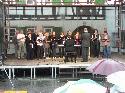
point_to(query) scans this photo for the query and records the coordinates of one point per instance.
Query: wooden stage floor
(57, 61)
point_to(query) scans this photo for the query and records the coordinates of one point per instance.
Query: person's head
(29, 35)
(105, 33)
(53, 33)
(85, 30)
(21, 31)
(96, 31)
(40, 34)
(77, 33)
(29, 32)
(69, 33)
(46, 34)
(62, 33)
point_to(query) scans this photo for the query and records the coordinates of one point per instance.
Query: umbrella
(117, 78)
(106, 67)
(82, 86)
(62, 88)
(116, 89)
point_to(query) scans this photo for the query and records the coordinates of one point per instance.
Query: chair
(72, 55)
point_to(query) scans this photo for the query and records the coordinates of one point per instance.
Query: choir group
(40, 45)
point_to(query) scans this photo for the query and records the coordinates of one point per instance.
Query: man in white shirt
(40, 49)
(21, 41)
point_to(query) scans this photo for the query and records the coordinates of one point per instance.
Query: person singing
(29, 47)
(96, 43)
(61, 41)
(77, 39)
(53, 45)
(106, 44)
(40, 48)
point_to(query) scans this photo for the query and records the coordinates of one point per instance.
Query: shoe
(84, 61)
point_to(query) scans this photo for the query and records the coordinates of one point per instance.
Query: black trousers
(85, 53)
(96, 50)
(40, 52)
(53, 51)
(30, 53)
(61, 52)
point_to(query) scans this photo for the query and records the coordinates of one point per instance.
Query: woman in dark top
(29, 47)
(77, 39)
(53, 44)
(96, 43)
(61, 41)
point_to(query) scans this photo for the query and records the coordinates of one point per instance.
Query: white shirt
(21, 38)
(42, 38)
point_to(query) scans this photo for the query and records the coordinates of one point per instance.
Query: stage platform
(12, 63)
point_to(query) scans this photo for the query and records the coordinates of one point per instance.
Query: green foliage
(56, 2)
(68, 2)
(20, 1)
(99, 2)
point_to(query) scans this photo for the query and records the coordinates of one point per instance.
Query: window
(48, 29)
(12, 10)
(6, 34)
(39, 11)
(12, 33)
(47, 11)
(9, 33)
(71, 10)
(20, 10)
(30, 10)
(60, 10)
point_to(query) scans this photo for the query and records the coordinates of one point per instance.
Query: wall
(65, 24)
(111, 27)
(109, 22)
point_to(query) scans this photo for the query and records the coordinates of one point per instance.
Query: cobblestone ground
(33, 86)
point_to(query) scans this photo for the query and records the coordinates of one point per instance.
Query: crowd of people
(40, 45)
